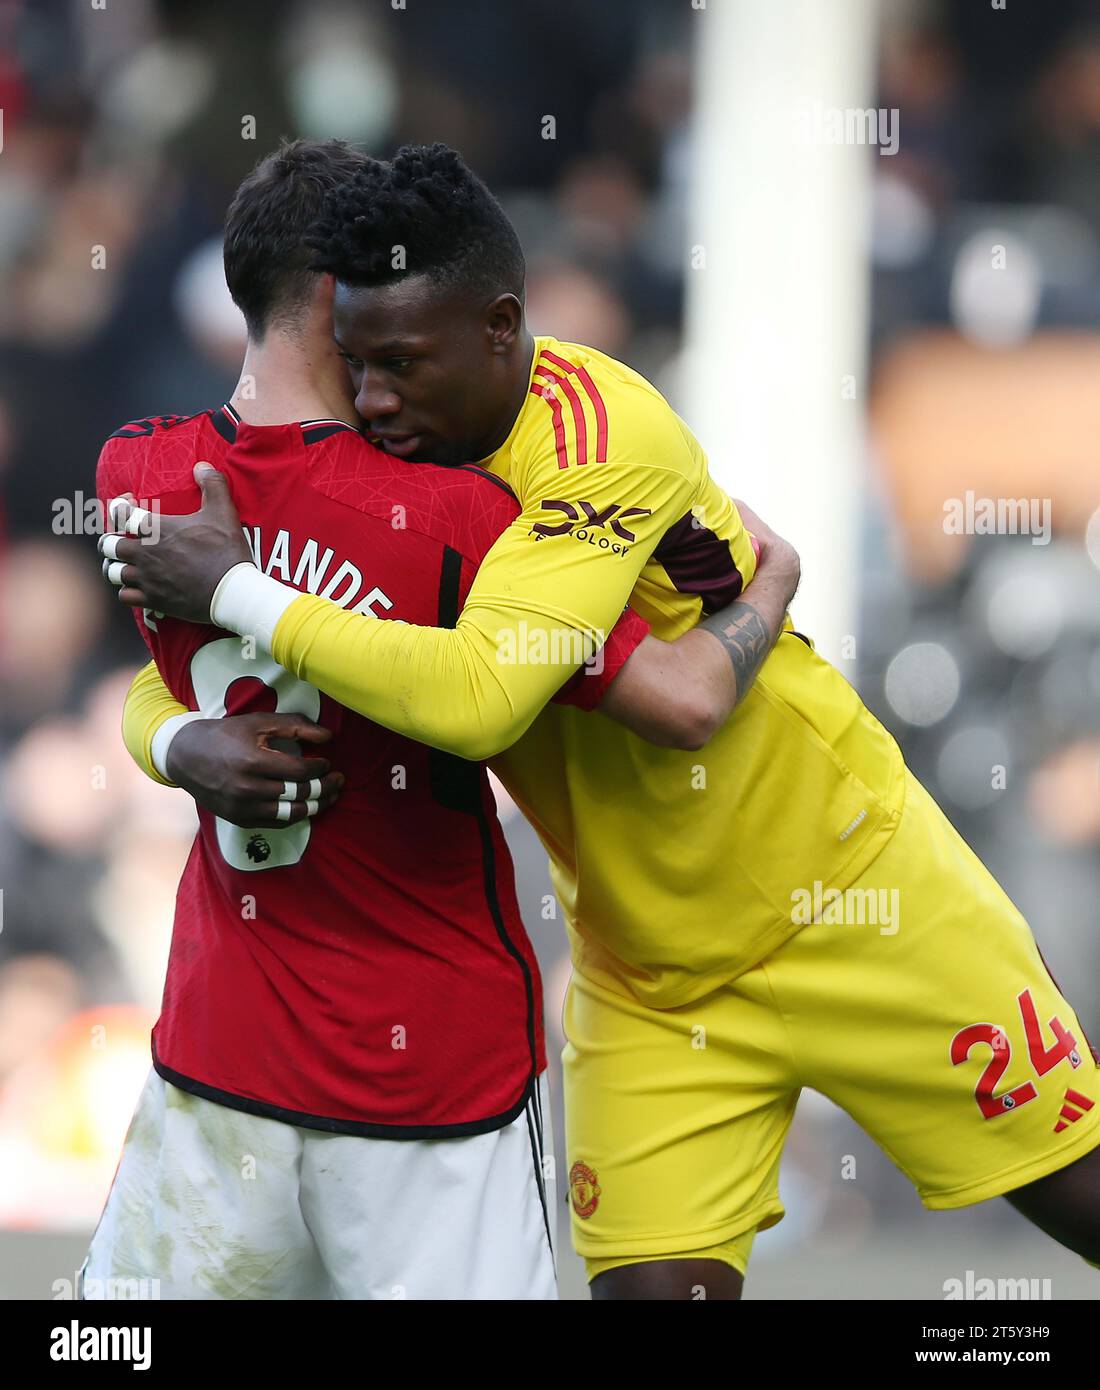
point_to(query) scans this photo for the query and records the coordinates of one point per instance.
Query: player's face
(428, 369)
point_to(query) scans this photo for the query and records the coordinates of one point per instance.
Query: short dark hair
(427, 203)
(267, 261)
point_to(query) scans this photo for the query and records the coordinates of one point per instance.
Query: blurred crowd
(125, 130)
(982, 651)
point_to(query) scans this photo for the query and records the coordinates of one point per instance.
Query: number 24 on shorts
(1042, 1058)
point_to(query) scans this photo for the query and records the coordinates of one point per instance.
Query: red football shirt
(366, 972)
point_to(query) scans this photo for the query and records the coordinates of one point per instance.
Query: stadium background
(122, 129)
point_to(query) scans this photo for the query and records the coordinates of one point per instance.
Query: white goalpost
(775, 378)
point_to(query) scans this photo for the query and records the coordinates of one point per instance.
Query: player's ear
(503, 322)
(323, 294)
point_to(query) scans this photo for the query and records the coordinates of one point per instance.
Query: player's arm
(541, 602)
(151, 716)
(227, 765)
(678, 694)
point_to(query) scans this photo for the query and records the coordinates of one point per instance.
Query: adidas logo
(1075, 1106)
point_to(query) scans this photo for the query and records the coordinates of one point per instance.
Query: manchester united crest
(584, 1189)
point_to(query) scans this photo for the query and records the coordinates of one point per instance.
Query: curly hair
(425, 212)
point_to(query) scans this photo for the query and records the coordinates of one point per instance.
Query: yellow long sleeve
(543, 600)
(149, 703)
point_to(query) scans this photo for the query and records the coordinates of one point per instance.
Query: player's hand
(230, 768)
(782, 558)
(172, 564)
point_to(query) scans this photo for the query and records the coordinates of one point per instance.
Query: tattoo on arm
(746, 638)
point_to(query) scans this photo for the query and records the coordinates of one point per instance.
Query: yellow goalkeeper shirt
(675, 870)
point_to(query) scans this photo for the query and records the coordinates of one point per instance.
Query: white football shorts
(213, 1203)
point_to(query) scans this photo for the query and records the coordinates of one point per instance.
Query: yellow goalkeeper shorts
(917, 1001)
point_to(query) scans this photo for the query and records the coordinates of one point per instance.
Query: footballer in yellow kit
(787, 907)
